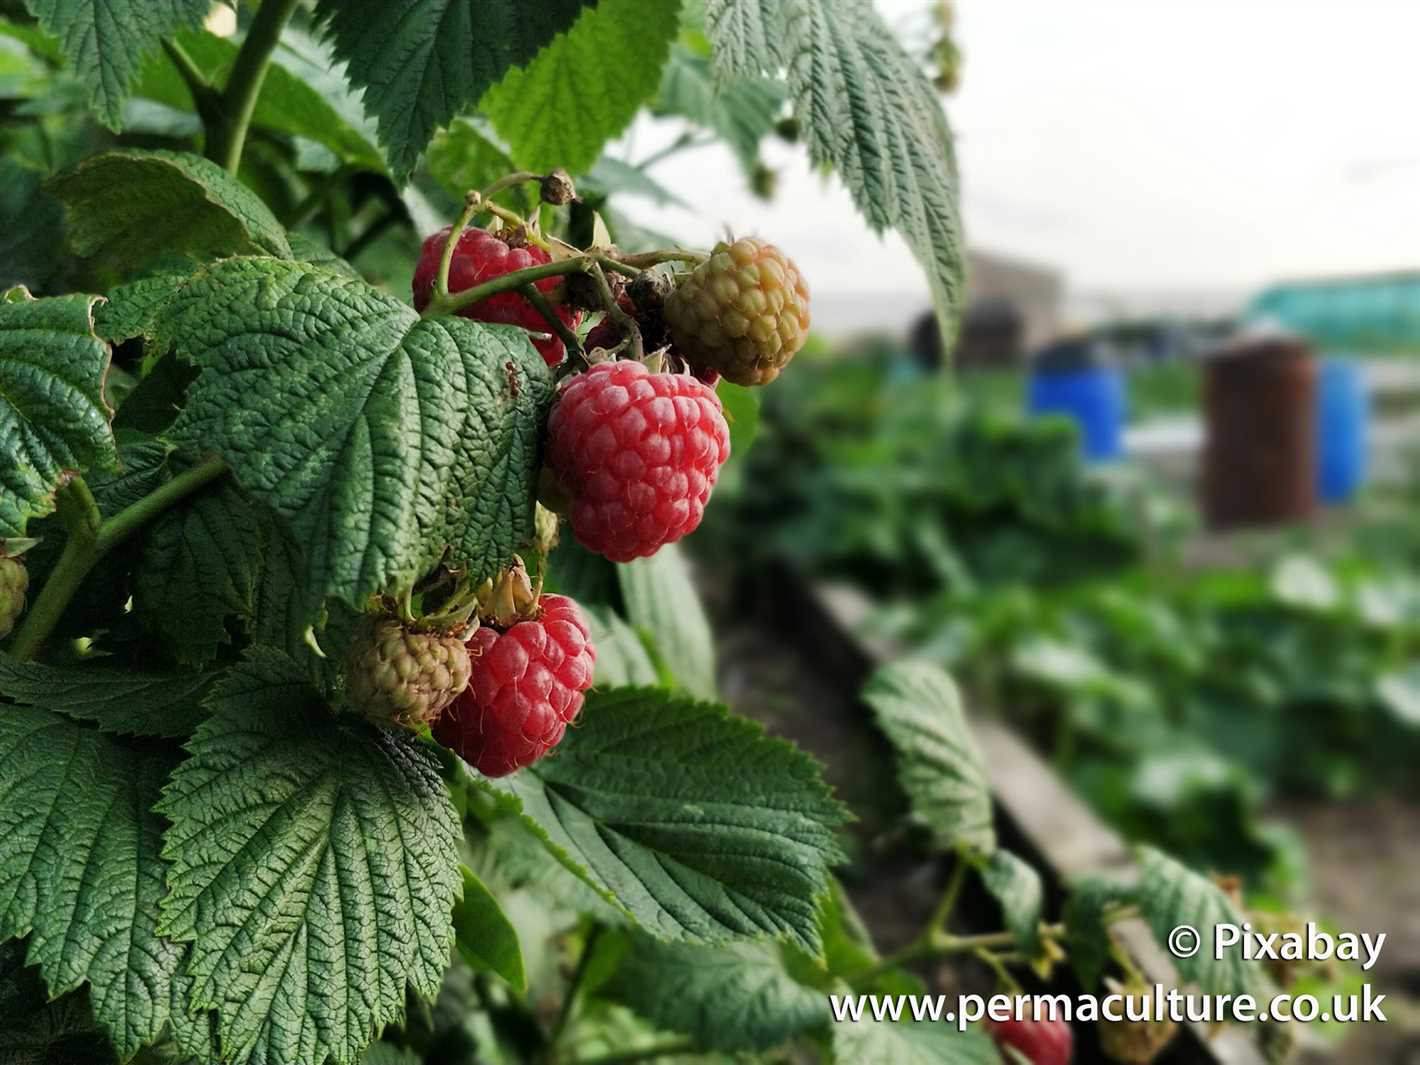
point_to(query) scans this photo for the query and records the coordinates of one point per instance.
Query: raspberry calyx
(637, 454)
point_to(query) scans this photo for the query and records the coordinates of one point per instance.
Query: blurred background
(1157, 506)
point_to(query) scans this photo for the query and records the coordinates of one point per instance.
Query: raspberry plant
(316, 748)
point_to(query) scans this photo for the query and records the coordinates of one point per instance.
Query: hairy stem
(228, 134)
(508, 181)
(441, 279)
(90, 539)
(549, 314)
(625, 321)
(516, 279)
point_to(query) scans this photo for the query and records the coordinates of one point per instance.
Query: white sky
(1136, 145)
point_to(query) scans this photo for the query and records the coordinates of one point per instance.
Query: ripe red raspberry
(526, 689)
(1040, 1042)
(637, 454)
(743, 312)
(481, 256)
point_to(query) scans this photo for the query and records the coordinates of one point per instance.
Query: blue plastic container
(1072, 379)
(1342, 426)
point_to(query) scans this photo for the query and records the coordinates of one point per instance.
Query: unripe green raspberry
(743, 312)
(404, 677)
(14, 582)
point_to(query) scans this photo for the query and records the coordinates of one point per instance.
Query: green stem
(655, 1050)
(574, 986)
(671, 255)
(933, 944)
(998, 967)
(549, 314)
(944, 909)
(441, 279)
(452, 303)
(89, 540)
(620, 317)
(508, 182)
(227, 137)
(203, 95)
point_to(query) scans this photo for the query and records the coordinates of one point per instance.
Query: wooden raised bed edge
(1038, 815)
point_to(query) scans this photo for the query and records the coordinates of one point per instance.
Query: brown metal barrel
(1259, 451)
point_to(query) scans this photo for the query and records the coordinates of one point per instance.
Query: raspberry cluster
(637, 453)
(481, 256)
(527, 687)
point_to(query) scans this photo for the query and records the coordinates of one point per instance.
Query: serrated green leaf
(300, 94)
(692, 821)
(314, 869)
(918, 706)
(868, 111)
(485, 937)
(727, 998)
(869, 1042)
(1087, 939)
(80, 871)
(422, 62)
(586, 86)
(748, 35)
(382, 439)
(122, 701)
(741, 110)
(1171, 895)
(389, 1054)
(622, 658)
(106, 41)
(129, 207)
(661, 602)
(1017, 887)
(199, 567)
(53, 415)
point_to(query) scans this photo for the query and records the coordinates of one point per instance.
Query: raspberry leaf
(687, 818)
(314, 869)
(200, 566)
(1087, 938)
(868, 111)
(727, 998)
(622, 657)
(421, 62)
(122, 701)
(80, 869)
(741, 110)
(31, 228)
(54, 418)
(1017, 887)
(585, 87)
(127, 208)
(1170, 895)
(486, 938)
(918, 706)
(107, 41)
(661, 602)
(869, 1042)
(379, 437)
